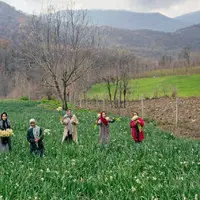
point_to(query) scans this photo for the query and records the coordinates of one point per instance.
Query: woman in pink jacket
(137, 124)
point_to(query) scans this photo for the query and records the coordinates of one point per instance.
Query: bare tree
(116, 82)
(126, 62)
(118, 64)
(62, 44)
(108, 82)
(6, 70)
(185, 55)
(125, 83)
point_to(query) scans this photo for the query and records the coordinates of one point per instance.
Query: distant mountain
(142, 42)
(135, 21)
(153, 43)
(193, 18)
(10, 19)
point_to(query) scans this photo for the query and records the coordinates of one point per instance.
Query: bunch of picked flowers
(6, 133)
(60, 111)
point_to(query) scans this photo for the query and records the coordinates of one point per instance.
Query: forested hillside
(10, 20)
(30, 45)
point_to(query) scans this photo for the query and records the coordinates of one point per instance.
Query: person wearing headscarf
(137, 125)
(70, 123)
(5, 142)
(35, 138)
(103, 122)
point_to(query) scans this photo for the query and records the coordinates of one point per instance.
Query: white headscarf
(36, 129)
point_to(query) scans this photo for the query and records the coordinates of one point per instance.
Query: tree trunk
(125, 90)
(120, 95)
(115, 93)
(109, 93)
(64, 105)
(58, 88)
(64, 102)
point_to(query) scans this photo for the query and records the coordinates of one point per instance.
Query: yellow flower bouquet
(60, 110)
(6, 133)
(107, 118)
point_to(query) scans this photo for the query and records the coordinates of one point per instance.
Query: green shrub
(150, 121)
(46, 98)
(24, 98)
(50, 104)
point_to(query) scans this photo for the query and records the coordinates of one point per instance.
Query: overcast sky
(170, 8)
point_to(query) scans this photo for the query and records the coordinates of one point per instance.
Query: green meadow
(162, 167)
(186, 86)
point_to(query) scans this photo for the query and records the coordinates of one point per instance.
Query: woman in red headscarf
(137, 124)
(103, 123)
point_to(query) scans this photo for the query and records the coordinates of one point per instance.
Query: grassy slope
(162, 166)
(170, 72)
(186, 86)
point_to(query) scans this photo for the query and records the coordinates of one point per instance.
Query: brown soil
(163, 111)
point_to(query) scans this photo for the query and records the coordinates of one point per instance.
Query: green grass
(186, 86)
(162, 167)
(170, 72)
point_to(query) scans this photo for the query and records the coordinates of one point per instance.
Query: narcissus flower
(47, 132)
(59, 108)
(6, 133)
(135, 118)
(107, 118)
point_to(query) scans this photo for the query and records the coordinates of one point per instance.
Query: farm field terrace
(162, 167)
(186, 86)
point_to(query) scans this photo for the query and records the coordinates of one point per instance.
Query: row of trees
(60, 47)
(116, 72)
(61, 53)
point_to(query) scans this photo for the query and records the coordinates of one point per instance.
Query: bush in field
(50, 104)
(24, 98)
(156, 93)
(150, 121)
(174, 92)
(47, 98)
(163, 167)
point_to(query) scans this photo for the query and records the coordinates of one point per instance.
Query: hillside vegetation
(136, 21)
(10, 20)
(193, 17)
(148, 42)
(186, 86)
(154, 35)
(163, 167)
(169, 72)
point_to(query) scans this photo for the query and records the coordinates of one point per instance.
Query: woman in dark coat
(35, 138)
(5, 142)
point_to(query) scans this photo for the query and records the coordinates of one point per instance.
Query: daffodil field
(162, 167)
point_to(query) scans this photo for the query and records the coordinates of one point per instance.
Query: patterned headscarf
(104, 121)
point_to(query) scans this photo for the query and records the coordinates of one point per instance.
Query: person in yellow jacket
(70, 123)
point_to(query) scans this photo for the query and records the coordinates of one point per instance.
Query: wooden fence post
(86, 102)
(119, 102)
(80, 101)
(142, 106)
(29, 90)
(97, 101)
(104, 103)
(74, 99)
(177, 101)
(119, 105)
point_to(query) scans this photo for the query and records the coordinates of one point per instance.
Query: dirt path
(163, 111)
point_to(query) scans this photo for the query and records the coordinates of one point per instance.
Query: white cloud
(168, 7)
(179, 9)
